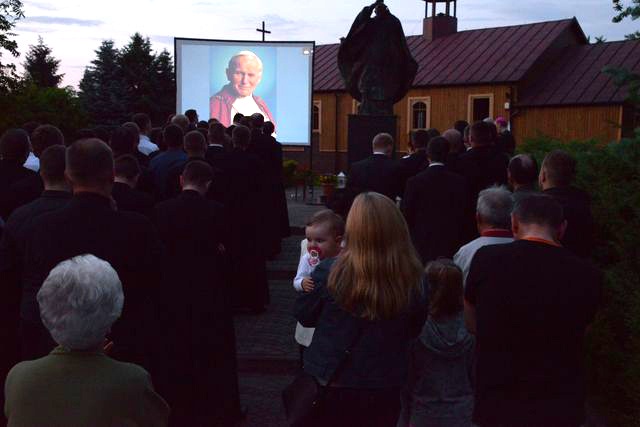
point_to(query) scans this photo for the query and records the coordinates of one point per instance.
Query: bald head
(522, 171)
(383, 143)
(182, 121)
(90, 164)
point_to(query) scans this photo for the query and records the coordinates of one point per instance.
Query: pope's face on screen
(244, 74)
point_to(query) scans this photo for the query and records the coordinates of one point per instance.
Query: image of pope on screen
(244, 74)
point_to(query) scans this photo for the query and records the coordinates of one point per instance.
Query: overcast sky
(75, 28)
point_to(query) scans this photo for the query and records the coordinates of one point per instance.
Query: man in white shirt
(145, 146)
(244, 74)
(493, 218)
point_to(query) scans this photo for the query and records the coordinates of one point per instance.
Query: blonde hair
(378, 273)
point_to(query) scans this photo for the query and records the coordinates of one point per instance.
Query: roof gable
(576, 76)
(482, 56)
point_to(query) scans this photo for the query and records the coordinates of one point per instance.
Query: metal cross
(263, 31)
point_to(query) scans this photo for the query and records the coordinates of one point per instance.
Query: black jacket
(576, 205)
(436, 207)
(18, 186)
(413, 165)
(380, 357)
(376, 173)
(482, 167)
(89, 224)
(533, 303)
(131, 200)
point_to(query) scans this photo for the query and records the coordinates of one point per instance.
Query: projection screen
(219, 78)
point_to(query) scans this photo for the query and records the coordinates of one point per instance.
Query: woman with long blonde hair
(368, 305)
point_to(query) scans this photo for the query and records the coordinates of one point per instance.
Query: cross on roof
(263, 31)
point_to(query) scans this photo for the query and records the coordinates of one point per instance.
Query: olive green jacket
(81, 388)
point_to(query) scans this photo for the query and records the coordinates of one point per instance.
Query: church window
(419, 113)
(480, 107)
(317, 117)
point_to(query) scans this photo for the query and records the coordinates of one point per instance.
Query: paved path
(268, 357)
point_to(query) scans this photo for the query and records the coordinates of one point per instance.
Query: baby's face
(322, 239)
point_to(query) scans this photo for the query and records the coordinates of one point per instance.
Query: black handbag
(304, 397)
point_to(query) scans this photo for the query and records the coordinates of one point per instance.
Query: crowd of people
(457, 294)
(173, 221)
(451, 287)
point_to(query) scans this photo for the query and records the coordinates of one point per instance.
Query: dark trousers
(35, 340)
(350, 407)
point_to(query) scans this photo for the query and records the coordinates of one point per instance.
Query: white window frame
(475, 96)
(410, 103)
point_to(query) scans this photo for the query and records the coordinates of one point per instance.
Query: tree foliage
(131, 80)
(623, 77)
(40, 67)
(10, 13)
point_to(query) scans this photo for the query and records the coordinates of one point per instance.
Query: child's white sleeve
(303, 267)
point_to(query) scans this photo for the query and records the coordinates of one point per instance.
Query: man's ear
(229, 74)
(67, 178)
(208, 184)
(181, 182)
(542, 178)
(562, 229)
(515, 225)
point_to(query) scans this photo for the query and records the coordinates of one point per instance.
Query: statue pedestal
(361, 131)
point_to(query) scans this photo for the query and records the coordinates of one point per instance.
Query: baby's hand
(307, 284)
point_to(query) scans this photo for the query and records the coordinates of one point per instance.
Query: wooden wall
(447, 104)
(569, 123)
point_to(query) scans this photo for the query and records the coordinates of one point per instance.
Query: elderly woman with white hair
(78, 384)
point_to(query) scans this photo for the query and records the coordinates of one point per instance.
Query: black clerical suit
(18, 186)
(197, 372)
(216, 156)
(377, 173)
(435, 205)
(482, 167)
(131, 200)
(89, 224)
(533, 303)
(12, 248)
(576, 205)
(246, 206)
(269, 152)
(413, 164)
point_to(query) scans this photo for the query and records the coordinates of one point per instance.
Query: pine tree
(10, 13)
(137, 63)
(41, 67)
(102, 90)
(164, 87)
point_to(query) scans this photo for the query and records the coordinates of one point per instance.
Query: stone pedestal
(361, 131)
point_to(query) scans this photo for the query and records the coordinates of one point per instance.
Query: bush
(611, 175)
(289, 168)
(55, 106)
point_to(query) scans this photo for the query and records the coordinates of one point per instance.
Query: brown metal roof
(484, 56)
(576, 76)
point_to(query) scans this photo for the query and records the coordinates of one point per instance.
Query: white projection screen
(219, 78)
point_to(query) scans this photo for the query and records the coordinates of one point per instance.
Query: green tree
(102, 91)
(623, 77)
(137, 63)
(40, 67)
(10, 13)
(164, 87)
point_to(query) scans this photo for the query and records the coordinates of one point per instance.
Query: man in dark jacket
(529, 304)
(377, 173)
(195, 145)
(12, 248)
(435, 205)
(482, 165)
(173, 137)
(417, 161)
(127, 198)
(198, 376)
(556, 176)
(14, 150)
(90, 224)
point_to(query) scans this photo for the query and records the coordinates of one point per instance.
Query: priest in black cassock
(197, 371)
(247, 213)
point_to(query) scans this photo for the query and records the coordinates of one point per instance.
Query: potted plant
(328, 183)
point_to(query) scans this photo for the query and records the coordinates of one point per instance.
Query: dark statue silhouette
(375, 62)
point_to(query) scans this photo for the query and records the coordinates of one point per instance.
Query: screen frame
(178, 76)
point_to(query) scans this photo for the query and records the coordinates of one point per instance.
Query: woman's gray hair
(79, 301)
(495, 205)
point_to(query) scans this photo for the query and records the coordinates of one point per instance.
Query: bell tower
(438, 24)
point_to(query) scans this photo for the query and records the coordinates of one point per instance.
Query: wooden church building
(544, 78)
